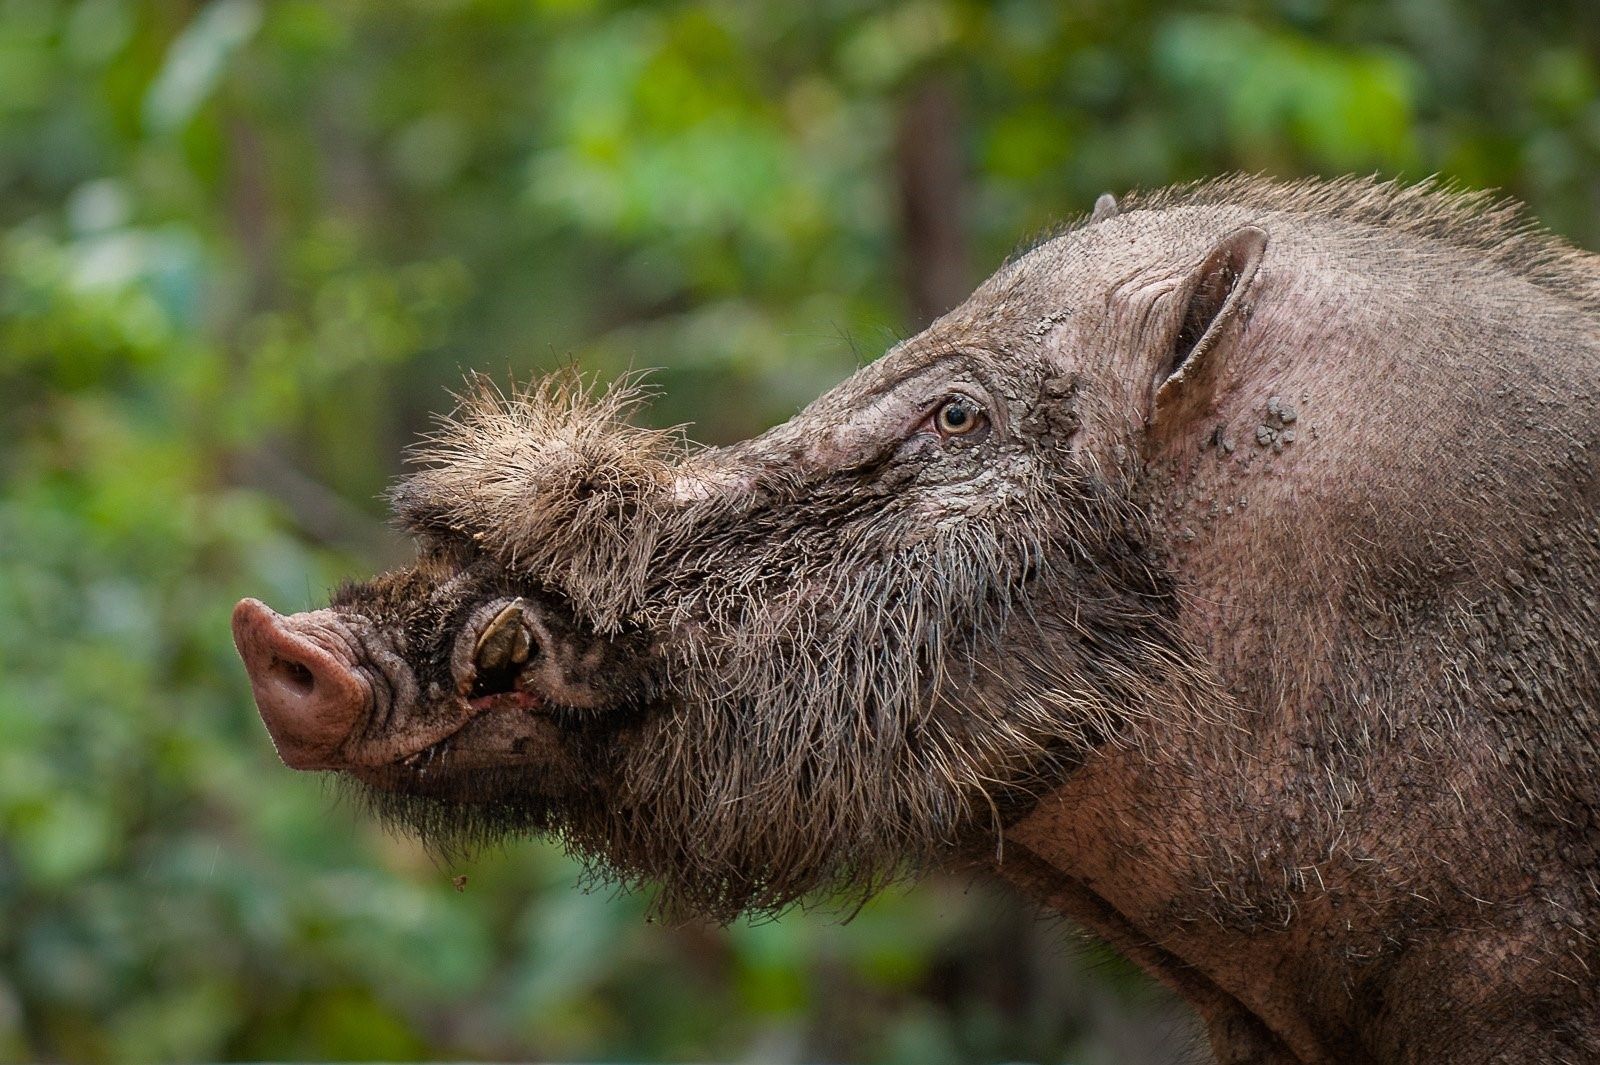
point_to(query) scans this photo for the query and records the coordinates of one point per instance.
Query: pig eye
(958, 416)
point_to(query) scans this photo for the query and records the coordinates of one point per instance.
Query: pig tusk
(505, 643)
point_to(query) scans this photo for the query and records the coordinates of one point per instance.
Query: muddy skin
(1223, 573)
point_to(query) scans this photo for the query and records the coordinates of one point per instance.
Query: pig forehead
(946, 357)
(1086, 262)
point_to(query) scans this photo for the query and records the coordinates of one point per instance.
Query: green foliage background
(246, 246)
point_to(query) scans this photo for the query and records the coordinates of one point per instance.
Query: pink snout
(306, 687)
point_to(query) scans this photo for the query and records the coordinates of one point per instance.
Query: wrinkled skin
(1223, 573)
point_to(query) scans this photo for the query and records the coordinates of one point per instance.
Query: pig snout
(309, 694)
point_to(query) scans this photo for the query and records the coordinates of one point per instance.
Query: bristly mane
(1484, 223)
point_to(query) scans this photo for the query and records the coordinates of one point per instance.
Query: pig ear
(1212, 298)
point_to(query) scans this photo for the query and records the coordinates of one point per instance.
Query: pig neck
(1301, 933)
(1117, 849)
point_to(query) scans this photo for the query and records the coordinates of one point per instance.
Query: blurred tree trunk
(930, 172)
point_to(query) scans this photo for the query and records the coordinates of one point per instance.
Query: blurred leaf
(196, 61)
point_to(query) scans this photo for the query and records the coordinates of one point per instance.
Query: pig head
(1222, 572)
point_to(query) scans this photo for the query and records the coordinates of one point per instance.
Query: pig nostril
(296, 676)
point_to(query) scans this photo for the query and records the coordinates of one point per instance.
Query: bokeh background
(247, 246)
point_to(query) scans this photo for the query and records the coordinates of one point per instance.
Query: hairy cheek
(946, 506)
